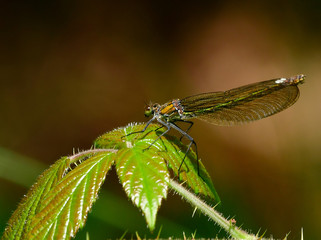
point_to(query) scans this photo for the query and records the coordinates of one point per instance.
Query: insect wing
(243, 104)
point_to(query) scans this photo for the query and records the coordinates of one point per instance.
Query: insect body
(236, 106)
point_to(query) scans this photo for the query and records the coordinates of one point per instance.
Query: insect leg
(173, 125)
(189, 127)
(189, 147)
(168, 125)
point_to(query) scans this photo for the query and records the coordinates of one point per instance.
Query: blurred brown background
(72, 70)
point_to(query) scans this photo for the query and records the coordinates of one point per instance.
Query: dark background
(72, 70)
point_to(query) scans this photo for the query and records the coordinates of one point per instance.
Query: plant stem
(227, 225)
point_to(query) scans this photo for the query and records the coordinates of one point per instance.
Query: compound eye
(148, 111)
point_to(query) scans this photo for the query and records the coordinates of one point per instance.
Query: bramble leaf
(65, 207)
(143, 166)
(20, 220)
(144, 178)
(58, 203)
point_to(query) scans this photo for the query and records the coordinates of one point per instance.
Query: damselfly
(236, 106)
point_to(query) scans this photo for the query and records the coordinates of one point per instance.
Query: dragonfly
(226, 108)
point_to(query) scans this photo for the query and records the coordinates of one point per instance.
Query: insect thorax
(172, 111)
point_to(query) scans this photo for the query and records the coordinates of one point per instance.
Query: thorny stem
(227, 225)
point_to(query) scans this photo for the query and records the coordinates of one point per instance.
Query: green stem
(227, 225)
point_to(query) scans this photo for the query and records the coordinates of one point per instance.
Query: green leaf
(199, 182)
(143, 166)
(144, 178)
(143, 174)
(65, 207)
(58, 203)
(172, 150)
(20, 219)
